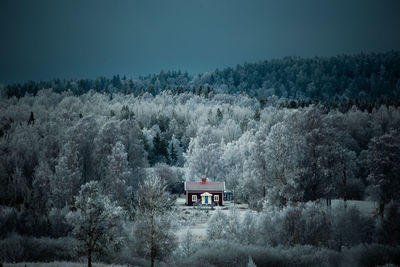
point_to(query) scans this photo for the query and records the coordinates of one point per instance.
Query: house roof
(204, 186)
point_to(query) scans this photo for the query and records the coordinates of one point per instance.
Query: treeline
(359, 78)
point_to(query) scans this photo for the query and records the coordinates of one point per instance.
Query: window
(216, 198)
(194, 198)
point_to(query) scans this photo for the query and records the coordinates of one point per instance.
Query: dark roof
(204, 186)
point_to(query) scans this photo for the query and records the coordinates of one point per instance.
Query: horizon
(47, 40)
(110, 76)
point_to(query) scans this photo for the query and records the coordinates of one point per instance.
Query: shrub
(318, 226)
(306, 225)
(351, 228)
(8, 220)
(217, 225)
(11, 249)
(355, 189)
(21, 222)
(371, 255)
(389, 230)
(58, 223)
(16, 248)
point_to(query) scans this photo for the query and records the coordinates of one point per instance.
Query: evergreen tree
(160, 151)
(172, 155)
(31, 119)
(220, 116)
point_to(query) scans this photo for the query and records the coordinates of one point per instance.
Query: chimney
(203, 180)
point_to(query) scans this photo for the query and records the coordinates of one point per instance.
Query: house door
(206, 199)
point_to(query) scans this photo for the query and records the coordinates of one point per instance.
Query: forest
(90, 170)
(360, 77)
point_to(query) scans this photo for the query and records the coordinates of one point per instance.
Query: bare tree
(152, 225)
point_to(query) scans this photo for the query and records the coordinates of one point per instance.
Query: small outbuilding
(228, 196)
(205, 193)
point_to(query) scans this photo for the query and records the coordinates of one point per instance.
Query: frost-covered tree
(230, 130)
(19, 157)
(384, 168)
(41, 190)
(312, 128)
(202, 156)
(68, 177)
(105, 140)
(188, 244)
(233, 159)
(152, 228)
(18, 188)
(96, 222)
(334, 160)
(171, 177)
(233, 225)
(251, 263)
(360, 126)
(118, 176)
(82, 135)
(279, 166)
(133, 141)
(217, 227)
(248, 233)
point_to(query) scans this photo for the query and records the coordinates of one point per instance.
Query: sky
(47, 39)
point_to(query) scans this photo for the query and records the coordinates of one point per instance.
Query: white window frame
(194, 198)
(216, 198)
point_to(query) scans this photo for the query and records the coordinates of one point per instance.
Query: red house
(206, 193)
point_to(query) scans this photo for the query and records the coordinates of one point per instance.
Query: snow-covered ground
(195, 219)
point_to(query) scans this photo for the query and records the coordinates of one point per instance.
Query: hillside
(361, 77)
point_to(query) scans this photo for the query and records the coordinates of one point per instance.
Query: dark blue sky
(45, 39)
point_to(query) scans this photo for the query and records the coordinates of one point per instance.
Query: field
(195, 219)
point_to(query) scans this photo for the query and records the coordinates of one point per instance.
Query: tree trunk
(71, 195)
(381, 209)
(344, 187)
(152, 248)
(89, 259)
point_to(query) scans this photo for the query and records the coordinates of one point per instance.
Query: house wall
(190, 194)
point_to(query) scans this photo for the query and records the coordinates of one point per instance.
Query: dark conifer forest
(359, 78)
